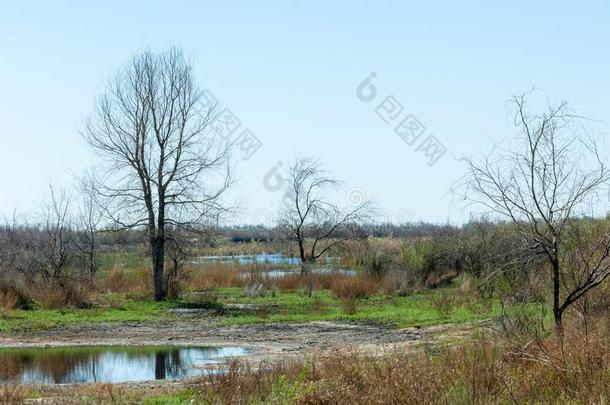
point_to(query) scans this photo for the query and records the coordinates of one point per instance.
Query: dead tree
(163, 164)
(57, 241)
(309, 218)
(550, 176)
(87, 223)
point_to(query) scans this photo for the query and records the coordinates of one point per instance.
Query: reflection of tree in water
(49, 365)
(97, 364)
(168, 364)
(10, 367)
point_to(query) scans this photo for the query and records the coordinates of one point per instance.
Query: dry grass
(227, 275)
(119, 280)
(12, 394)
(351, 288)
(211, 279)
(488, 370)
(481, 372)
(318, 281)
(67, 293)
(8, 301)
(245, 248)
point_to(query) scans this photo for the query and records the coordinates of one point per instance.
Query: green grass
(180, 398)
(415, 310)
(125, 311)
(440, 306)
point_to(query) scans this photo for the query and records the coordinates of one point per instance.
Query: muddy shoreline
(266, 341)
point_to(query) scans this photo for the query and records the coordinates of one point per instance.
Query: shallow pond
(109, 364)
(321, 270)
(265, 258)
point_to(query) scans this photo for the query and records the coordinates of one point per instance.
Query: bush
(14, 296)
(54, 294)
(353, 287)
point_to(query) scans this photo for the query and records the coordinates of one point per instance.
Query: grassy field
(431, 307)
(446, 305)
(123, 310)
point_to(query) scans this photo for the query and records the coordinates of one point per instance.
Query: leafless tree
(552, 175)
(164, 167)
(57, 244)
(585, 259)
(87, 223)
(309, 218)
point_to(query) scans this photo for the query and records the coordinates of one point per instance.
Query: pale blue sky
(289, 71)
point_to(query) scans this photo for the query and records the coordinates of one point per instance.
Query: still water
(265, 258)
(109, 364)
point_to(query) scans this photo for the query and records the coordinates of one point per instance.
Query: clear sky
(289, 71)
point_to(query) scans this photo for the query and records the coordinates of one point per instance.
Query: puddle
(68, 365)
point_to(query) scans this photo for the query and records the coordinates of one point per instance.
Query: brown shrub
(12, 296)
(49, 295)
(289, 282)
(8, 301)
(119, 280)
(56, 294)
(399, 281)
(354, 287)
(440, 279)
(211, 279)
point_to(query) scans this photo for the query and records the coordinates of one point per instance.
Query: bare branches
(163, 165)
(58, 242)
(310, 216)
(552, 175)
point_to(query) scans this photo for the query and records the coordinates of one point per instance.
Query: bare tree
(57, 245)
(87, 222)
(164, 167)
(585, 259)
(309, 218)
(552, 175)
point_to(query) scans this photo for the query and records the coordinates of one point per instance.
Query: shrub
(210, 279)
(13, 295)
(56, 294)
(351, 288)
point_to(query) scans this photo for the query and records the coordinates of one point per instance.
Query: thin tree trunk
(304, 264)
(557, 310)
(158, 254)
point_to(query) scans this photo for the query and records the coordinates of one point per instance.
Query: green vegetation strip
(125, 311)
(429, 308)
(440, 306)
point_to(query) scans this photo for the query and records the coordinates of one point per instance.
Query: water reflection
(108, 364)
(265, 258)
